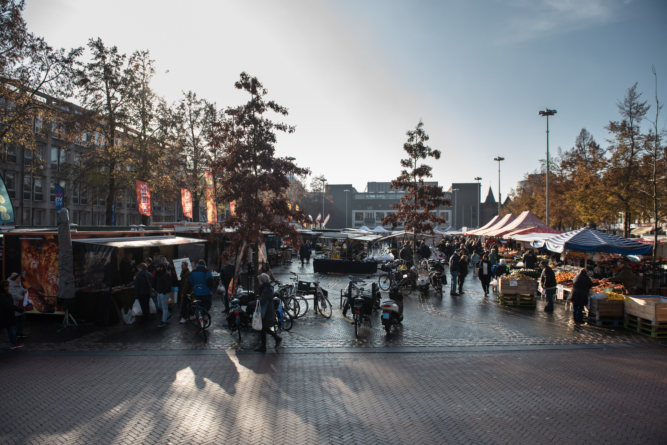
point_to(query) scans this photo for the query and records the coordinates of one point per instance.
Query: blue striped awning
(593, 241)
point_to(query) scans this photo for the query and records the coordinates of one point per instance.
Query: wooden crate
(521, 288)
(652, 308)
(645, 327)
(517, 300)
(607, 309)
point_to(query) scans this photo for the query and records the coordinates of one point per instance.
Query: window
(358, 216)
(119, 202)
(120, 219)
(75, 193)
(25, 216)
(83, 221)
(370, 215)
(8, 153)
(39, 152)
(58, 159)
(132, 201)
(26, 187)
(83, 194)
(101, 218)
(75, 218)
(39, 189)
(369, 207)
(379, 215)
(37, 217)
(10, 183)
(53, 218)
(52, 190)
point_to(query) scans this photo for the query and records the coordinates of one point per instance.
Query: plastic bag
(257, 318)
(136, 309)
(128, 317)
(151, 307)
(494, 283)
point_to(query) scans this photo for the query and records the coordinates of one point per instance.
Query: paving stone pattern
(610, 396)
(431, 320)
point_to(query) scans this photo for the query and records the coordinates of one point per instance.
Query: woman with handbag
(265, 301)
(143, 290)
(485, 273)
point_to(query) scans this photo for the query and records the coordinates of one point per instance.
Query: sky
(357, 75)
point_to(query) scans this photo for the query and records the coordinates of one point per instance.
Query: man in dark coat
(7, 317)
(549, 284)
(126, 269)
(581, 286)
(303, 253)
(265, 300)
(143, 283)
(454, 271)
(529, 259)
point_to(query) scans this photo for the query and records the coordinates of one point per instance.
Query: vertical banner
(319, 217)
(59, 197)
(232, 208)
(326, 220)
(6, 207)
(211, 210)
(186, 203)
(143, 198)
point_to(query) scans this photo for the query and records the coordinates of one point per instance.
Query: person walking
(485, 273)
(184, 289)
(474, 259)
(143, 283)
(454, 271)
(303, 252)
(425, 251)
(463, 271)
(7, 315)
(226, 277)
(581, 286)
(202, 282)
(493, 257)
(163, 285)
(18, 293)
(126, 269)
(529, 260)
(309, 251)
(549, 284)
(265, 300)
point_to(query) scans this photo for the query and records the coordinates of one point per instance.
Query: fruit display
(614, 296)
(535, 274)
(521, 277)
(604, 285)
(574, 255)
(562, 277)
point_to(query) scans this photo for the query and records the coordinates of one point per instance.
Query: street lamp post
(499, 196)
(346, 192)
(547, 112)
(455, 190)
(479, 196)
(291, 179)
(323, 191)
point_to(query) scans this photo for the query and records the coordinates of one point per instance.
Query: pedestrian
(7, 315)
(581, 286)
(625, 275)
(163, 285)
(425, 251)
(265, 300)
(529, 260)
(463, 271)
(150, 268)
(485, 273)
(454, 271)
(493, 257)
(185, 289)
(267, 270)
(303, 252)
(202, 282)
(548, 283)
(226, 276)
(474, 259)
(499, 269)
(126, 269)
(18, 293)
(143, 283)
(309, 249)
(406, 254)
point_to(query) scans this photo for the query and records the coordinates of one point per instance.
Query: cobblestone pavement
(432, 320)
(610, 396)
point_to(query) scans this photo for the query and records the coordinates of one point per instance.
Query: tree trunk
(110, 201)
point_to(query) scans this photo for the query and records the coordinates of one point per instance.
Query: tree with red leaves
(420, 199)
(251, 174)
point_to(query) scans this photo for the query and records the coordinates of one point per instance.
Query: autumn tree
(108, 85)
(420, 200)
(251, 174)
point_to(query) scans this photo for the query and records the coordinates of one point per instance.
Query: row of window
(84, 218)
(365, 216)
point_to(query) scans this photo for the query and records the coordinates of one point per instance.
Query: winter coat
(143, 283)
(163, 282)
(425, 251)
(625, 277)
(227, 274)
(454, 263)
(493, 257)
(7, 310)
(463, 268)
(548, 278)
(265, 299)
(529, 260)
(303, 251)
(17, 292)
(581, 286)
(489, 272)
(126, 271)
(185, 287)
(406, 253)
(202, 281)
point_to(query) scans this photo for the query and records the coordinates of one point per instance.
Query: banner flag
(232, 208)
(326, 220)
(186, 203)
(211, 209)
(319, 217)
(59, 197)
(6, 207)
(143, 198)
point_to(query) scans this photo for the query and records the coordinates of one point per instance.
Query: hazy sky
(356, 75)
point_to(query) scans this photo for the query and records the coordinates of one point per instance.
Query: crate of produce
(511, 286)
(607, 309)
(652, 308)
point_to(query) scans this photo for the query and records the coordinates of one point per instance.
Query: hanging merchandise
(143, 198)
(211, 210)
(186, 202)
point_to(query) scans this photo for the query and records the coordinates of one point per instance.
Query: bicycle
(322, 303)
(290, 303)
(198, 316)
(282, 320)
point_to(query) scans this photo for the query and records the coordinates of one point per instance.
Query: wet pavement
(469, 320)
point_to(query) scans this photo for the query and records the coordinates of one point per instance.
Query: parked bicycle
(198, 316)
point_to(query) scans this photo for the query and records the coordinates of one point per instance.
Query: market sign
(143, 198)
(211, 210)
(186, 202)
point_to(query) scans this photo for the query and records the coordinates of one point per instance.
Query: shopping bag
(136, 309)
(257, 318)
(151, 306)
(174, 296)
(128, 317)
(494, 283)
(26, 304)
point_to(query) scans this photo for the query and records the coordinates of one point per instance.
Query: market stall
(345, 253)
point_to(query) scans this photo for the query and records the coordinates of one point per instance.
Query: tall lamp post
(323, 192)
(455, 190)
(547, 112)
(499, 197)
(291, 179)
(479, 197)
(346, 192)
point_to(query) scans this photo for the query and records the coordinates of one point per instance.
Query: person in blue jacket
(202, 283)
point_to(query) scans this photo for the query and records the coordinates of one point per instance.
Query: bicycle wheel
(303, 305)
(405, 288)
(204, 319)
(288, 322)
(324, 306)
(357, 322)
(192, 315)
(292, 307)
(384, 281)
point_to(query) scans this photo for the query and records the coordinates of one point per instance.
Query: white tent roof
(380, 229)
(364, 229)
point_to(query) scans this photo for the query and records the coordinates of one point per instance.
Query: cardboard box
(508, 286)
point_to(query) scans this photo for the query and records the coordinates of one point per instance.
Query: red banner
(232, 208)
(143, 198)
(186, 202)
(211, 208)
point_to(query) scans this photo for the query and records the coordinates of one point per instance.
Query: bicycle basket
(304, 286)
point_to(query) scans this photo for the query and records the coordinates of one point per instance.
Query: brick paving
(612, 396)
